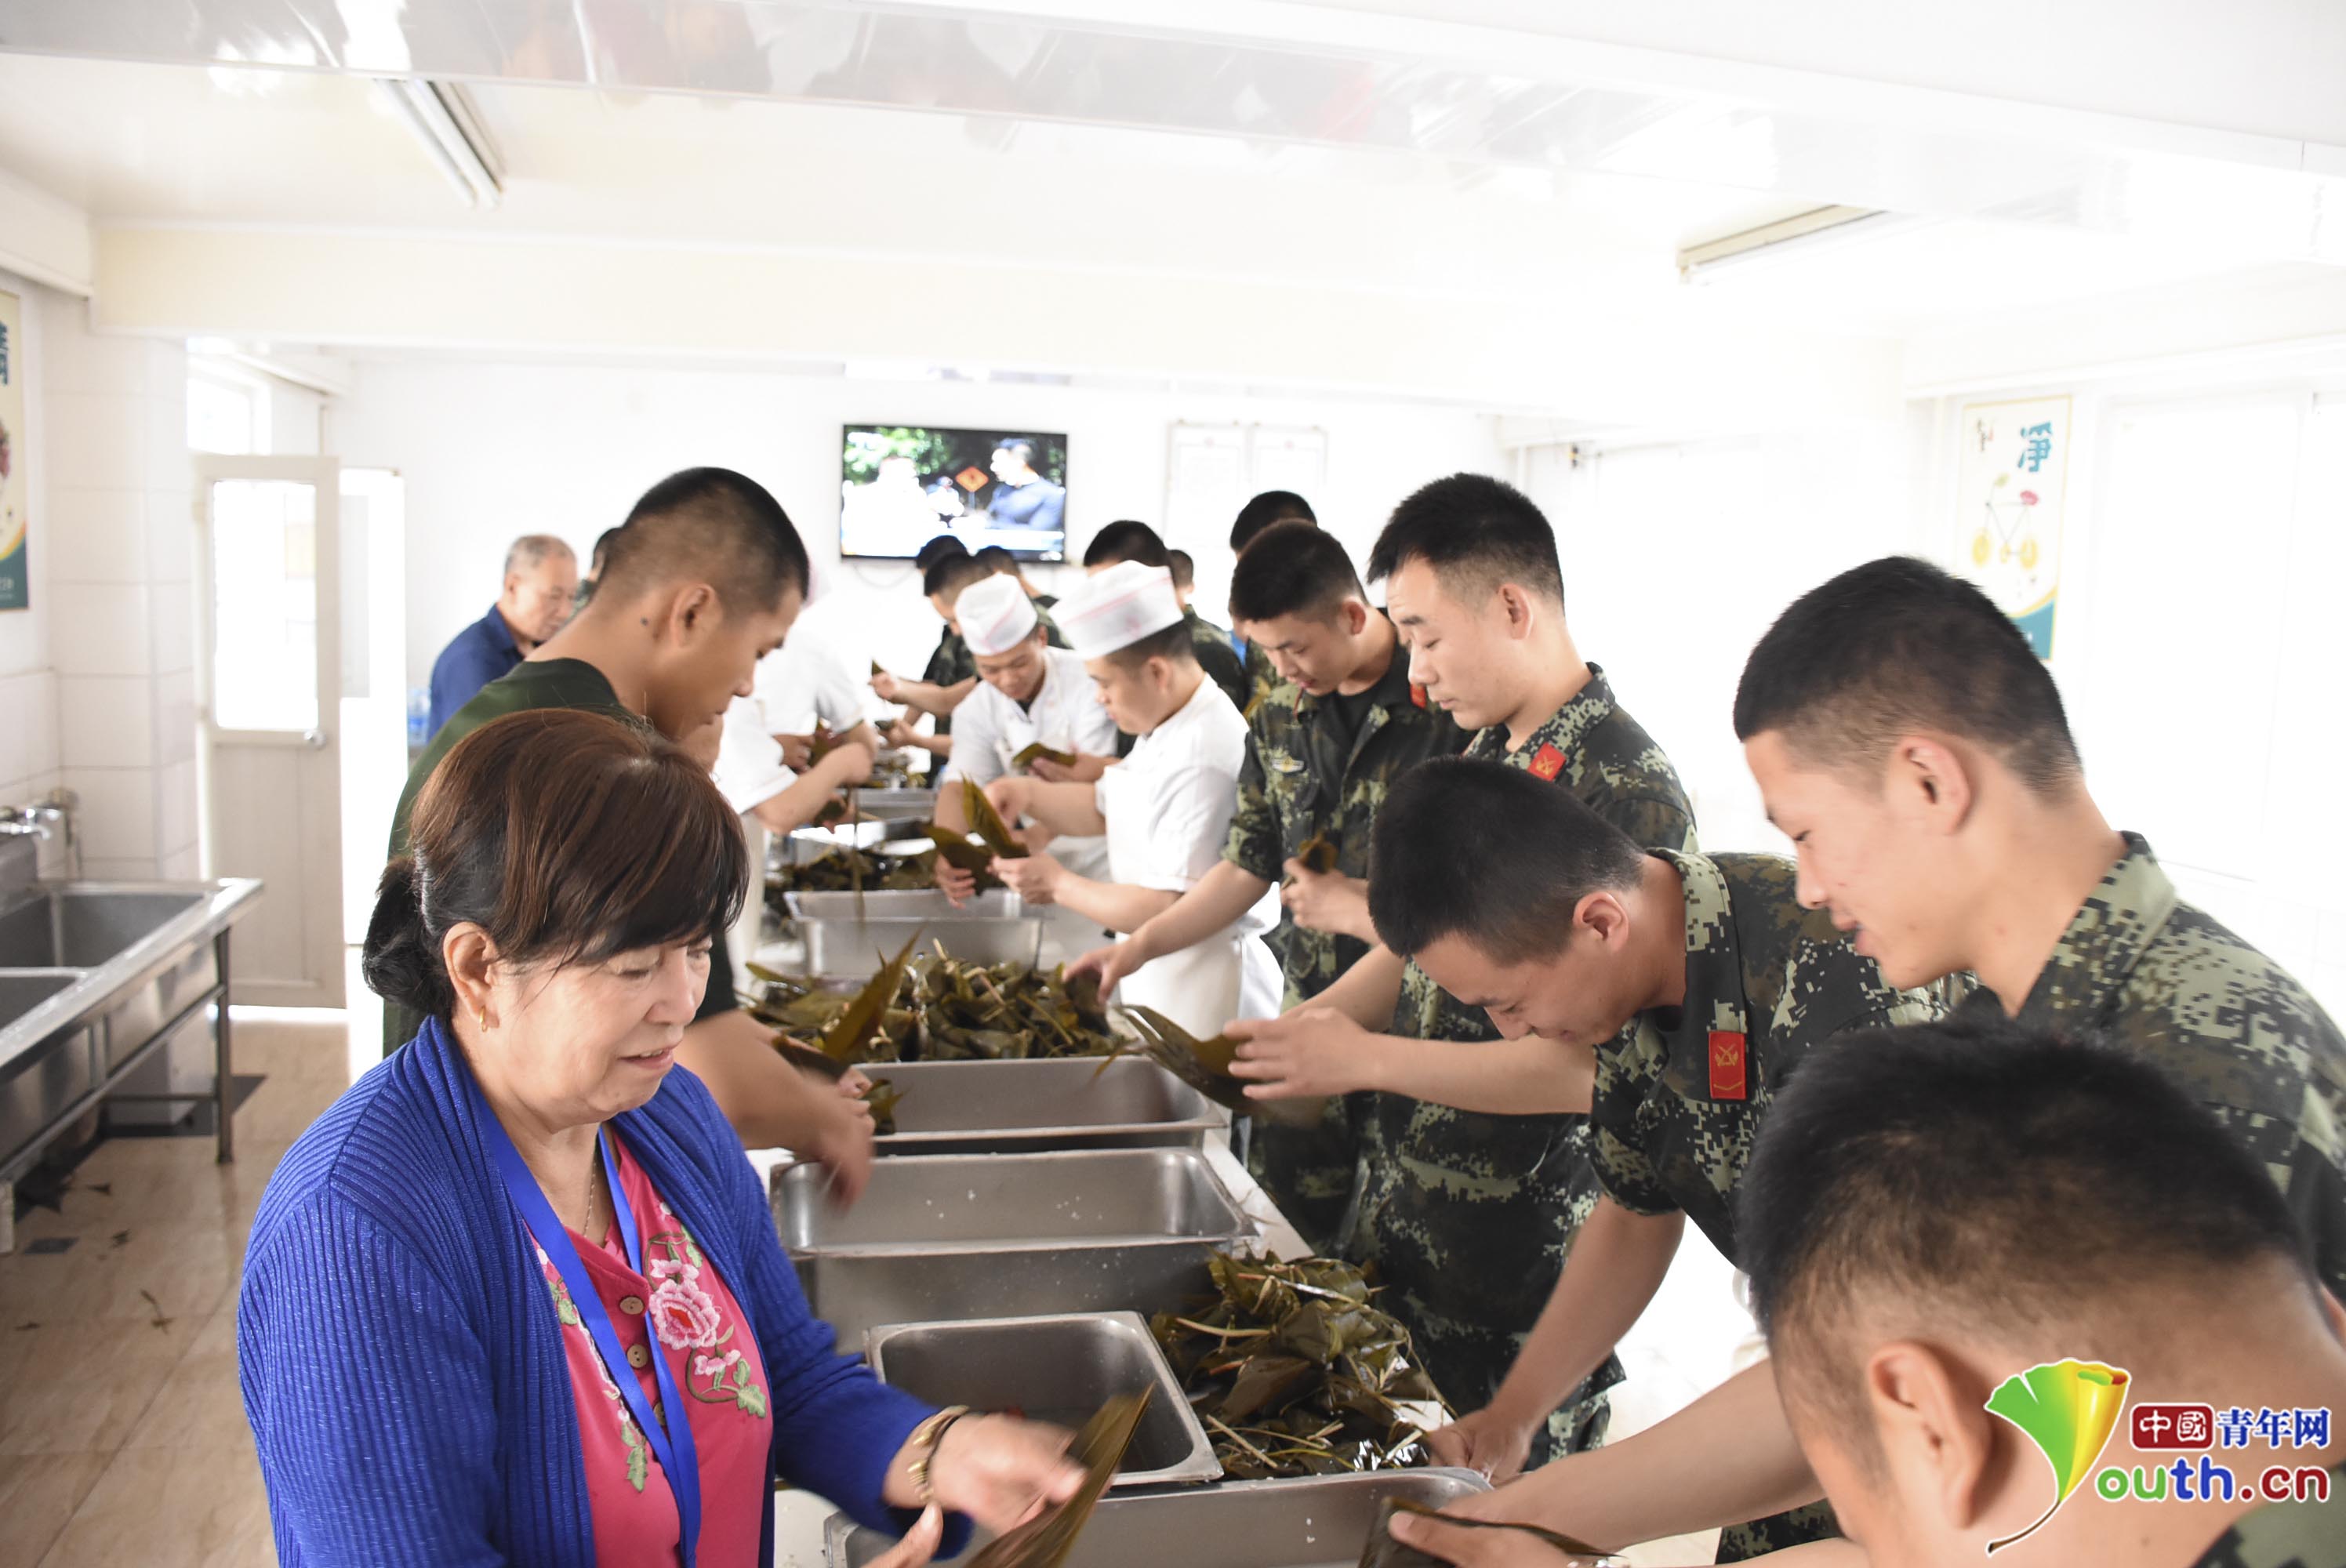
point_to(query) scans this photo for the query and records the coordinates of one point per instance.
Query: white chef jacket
(989, 729)
(802, 684)
(750, 770)
(1169, 807)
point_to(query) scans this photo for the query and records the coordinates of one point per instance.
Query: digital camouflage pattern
(950, 665)
(1262, 677)
(1680, 1093)
(2306, 1534)
(2144, 970)
(1219, 659)
(1469, 1218)
(1302, 780)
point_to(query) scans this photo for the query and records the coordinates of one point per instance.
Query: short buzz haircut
(1270, 507)
(1980, 1177)
(712, 524)
(998, 561)
(532, 551)
(1174, 643)
(948, 578)
(1126, 540)
(602, 554)
(1293, 569)
(937, 549)
(1896, 647)
(1438, 868)
(1183, 569)
(1476, 532)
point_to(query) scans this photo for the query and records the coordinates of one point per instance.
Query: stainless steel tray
(844, 943)
(1058, 1369)
(950, 1237)
(1005, 1108)
(1320, 1522)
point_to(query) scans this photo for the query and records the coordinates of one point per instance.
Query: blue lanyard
(672, 1446)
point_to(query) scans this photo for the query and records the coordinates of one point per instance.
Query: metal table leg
(224, 1081)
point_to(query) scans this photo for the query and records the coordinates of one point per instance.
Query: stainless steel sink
(20, 993)
(80, 927)
(1320, 1522)
(1060, 1370)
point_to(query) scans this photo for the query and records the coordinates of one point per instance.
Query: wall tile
(183, 866)
(175, 808)
(175, 718)
(166, 426)
(121, 867)
(29, 725)
(106, 721)
(96, 535)
(97, 440)
(118, 811)
(174, 628)
(170, 535)
(100, 628)
(74, 359)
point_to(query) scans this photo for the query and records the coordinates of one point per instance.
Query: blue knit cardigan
(402, 1367)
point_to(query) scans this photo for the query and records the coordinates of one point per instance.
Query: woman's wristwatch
(923, 1446)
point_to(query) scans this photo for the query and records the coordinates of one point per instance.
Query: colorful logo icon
(2068, 1410)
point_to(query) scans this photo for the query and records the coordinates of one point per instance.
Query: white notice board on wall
(1214, 468)
(2011, 478)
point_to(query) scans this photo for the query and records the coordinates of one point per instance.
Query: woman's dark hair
(568, 837)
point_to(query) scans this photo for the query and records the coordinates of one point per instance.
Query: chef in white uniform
(1165, 808)
(1027, 693)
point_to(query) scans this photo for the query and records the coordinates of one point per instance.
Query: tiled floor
(122, 1434)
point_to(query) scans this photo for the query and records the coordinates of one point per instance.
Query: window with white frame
(228, 410)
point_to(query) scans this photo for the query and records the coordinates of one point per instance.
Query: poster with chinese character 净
(15, 589)
(2011, 472)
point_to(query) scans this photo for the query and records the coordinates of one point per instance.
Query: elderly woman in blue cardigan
(516, 1297)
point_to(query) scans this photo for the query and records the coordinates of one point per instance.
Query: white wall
(28, 684)
(1676, 558)
(492, 451)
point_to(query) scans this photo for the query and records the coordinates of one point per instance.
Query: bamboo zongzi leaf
(1040, 752)
(1044, 1541)
(864, 1016)
(987, 823)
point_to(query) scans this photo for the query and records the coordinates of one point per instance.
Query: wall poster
(15, 587)
(2011, 475)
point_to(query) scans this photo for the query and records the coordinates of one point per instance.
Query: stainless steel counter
(95, 977)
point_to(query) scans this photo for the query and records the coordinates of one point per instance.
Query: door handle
(315, 739)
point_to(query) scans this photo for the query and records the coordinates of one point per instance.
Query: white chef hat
(1118, 608)
(996, 615)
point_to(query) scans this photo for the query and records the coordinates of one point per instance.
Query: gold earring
(485, 1017)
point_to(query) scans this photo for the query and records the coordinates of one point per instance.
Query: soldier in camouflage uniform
(2184, 1267)
(1910, 744)
(1258, 516)
(1319, 762)
(1722, 985)
(1468, 1214)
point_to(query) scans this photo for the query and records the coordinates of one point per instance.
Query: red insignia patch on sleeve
(1417, 694)
(1547, 762)
(1730, 1079)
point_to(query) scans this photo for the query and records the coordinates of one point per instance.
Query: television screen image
(901, 485)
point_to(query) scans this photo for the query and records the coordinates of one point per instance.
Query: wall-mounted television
(901, 485)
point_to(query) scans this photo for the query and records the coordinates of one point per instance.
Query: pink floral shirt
(715, 1362)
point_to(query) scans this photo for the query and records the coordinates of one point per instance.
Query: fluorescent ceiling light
(444, 117)
(1807, 233)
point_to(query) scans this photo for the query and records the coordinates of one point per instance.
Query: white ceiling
(136, 144)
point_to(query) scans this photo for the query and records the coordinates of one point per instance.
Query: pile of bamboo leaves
(1009, 1011)
(1294, 1371)
(845, 870)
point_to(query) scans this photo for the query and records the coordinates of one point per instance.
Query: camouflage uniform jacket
(1262, 679)
(2143, 969)
(952, 664)
(1680, 1093)
(1219, 659)
(1302, 779)
(1469, 1217)
(2305, 1534)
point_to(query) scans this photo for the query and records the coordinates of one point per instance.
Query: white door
(271, 687)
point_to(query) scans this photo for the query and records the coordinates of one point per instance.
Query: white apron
(1226, 976)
